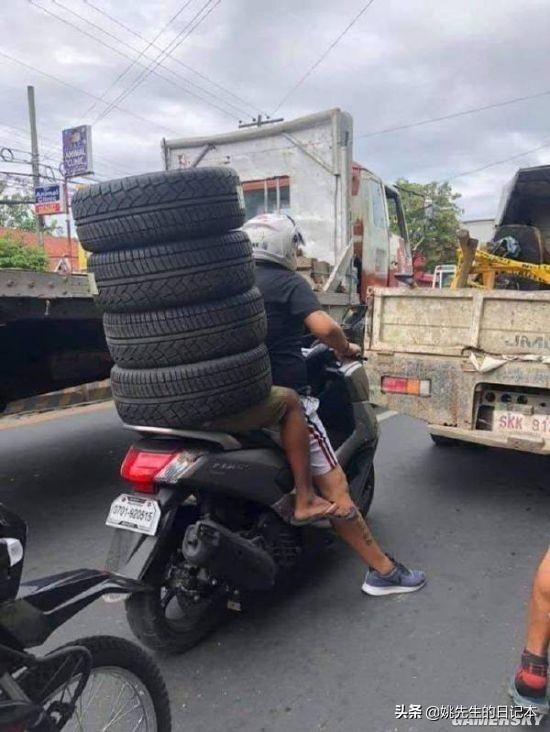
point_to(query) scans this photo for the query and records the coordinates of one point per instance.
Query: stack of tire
(183, 321)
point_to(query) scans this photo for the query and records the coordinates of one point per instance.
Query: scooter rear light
(141, 468)
(402, 385)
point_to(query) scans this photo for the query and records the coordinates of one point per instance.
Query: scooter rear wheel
(176, 623)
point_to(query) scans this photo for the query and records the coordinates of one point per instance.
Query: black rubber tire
(186, 334)
(157, 207)
(177, 273)
(147, 618)
(106, 651)
(189, 395)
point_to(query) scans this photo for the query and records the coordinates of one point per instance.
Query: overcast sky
(402, 62)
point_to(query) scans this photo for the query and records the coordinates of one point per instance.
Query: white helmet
(275, 238)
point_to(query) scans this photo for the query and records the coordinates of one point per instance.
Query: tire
(177, 273)
(186, 334)
(148, 619)
(106, 651)
(157, 207)
(189, 395)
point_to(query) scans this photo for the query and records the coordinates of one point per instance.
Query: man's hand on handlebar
(353, 351)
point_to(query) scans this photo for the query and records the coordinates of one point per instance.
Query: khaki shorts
(266, 414)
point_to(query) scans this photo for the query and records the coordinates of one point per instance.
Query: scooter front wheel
(169, 620)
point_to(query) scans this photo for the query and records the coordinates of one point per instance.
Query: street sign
(48, 200)
(77, 151)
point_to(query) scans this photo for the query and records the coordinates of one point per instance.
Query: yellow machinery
(474, 261)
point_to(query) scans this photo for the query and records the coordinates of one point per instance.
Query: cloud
(404, 60)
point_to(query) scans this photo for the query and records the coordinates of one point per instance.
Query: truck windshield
(268, 195)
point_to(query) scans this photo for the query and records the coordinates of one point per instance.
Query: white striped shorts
(322, 455)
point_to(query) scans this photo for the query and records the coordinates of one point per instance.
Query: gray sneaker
(399, 580)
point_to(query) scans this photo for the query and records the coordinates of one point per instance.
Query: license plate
(534, 424)
(134, 513)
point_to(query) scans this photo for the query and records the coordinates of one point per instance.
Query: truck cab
(353, 224)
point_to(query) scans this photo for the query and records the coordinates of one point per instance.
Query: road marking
(27, 420)
(385, 415)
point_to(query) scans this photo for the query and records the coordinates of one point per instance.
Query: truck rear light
(402, 385)
(141, 468)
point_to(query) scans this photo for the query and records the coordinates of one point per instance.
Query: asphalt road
(324, 656)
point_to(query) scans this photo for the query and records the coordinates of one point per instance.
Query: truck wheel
(156, 207)
(176, 273)
(189, 395)
(186, 334)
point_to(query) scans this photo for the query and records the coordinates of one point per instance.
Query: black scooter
(208, 518)
(94, 683)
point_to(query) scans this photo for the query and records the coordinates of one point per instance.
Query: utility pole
(259, 121)
(35, 159)
(68, 218)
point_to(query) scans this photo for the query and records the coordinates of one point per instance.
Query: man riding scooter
(292, 307)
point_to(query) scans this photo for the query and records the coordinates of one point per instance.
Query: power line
(499, 162)
(134, 61)
(185, 32)
(323, 56)
(453, 115)
(173, 58)
(82, 91)
(54, 147)
(125, 55)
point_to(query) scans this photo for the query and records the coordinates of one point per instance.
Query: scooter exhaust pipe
(228, 557)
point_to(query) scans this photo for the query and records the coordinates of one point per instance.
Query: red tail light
(141, 468)
(402, 385)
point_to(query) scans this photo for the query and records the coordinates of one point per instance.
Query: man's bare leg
(529, 686)
(356, 533)
(538, 626)
(295, 441)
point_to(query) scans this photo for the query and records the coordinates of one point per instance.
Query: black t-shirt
(288, 301)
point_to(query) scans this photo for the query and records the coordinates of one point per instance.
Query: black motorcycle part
(228, 556)
(52, 601)
(11, 527)
(131, 554)
(259, 475)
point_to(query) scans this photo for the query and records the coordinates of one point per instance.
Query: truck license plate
(534, 424)
(134, 513)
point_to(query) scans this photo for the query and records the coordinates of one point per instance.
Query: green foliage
(432, 227)
(20, 216)
(14, 254)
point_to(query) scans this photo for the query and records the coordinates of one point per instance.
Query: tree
(15, 254)
(432, 218)
(20, 216)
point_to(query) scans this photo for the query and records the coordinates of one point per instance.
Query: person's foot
(319, 509)
(528, 687)
(399, 580)
(540, 705)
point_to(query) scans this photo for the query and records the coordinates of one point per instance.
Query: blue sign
(77, 151)
(48, 199)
